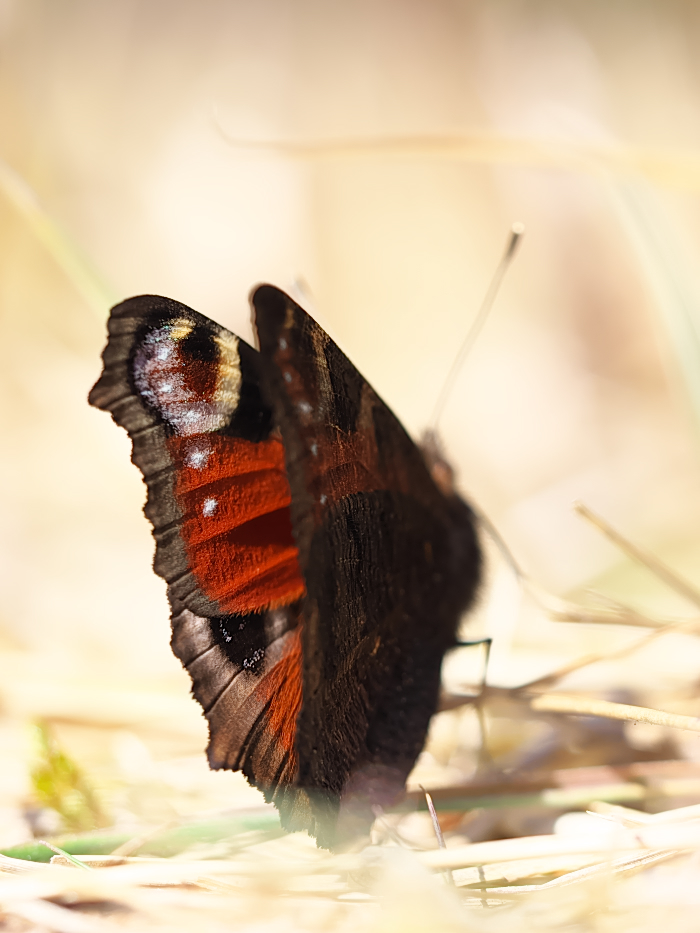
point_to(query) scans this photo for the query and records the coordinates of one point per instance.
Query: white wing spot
(209, 507)
(287, 377)
(198, 457)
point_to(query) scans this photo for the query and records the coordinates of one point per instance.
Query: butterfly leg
(487, 642)
(485, 758)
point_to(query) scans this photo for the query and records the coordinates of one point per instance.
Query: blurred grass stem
(79, 269)
(660, 570)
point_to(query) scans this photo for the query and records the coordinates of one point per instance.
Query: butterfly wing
(188, 393)
(352, 613)
(390, 563)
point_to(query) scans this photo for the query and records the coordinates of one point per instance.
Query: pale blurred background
(373, 154)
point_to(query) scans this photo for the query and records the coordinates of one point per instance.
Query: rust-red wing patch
(281, 692)
(234, 497)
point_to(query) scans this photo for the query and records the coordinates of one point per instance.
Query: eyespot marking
(189, 375)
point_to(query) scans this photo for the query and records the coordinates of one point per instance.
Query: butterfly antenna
(516, 233)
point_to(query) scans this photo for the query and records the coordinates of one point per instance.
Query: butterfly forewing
(187, 391)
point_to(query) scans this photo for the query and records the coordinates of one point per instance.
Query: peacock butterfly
(317, 560)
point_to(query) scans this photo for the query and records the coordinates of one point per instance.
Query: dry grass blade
(438, 831)
(582, 706)
(622, 866)
(78, 268)
(660, 570)
(660, 165)
(20, 866)
(682, 627)
(601, 789)
(639, 841)
(606, 617)
(623, 614)
(435, 820)
(625, 816)
(525, 848)
(53, 917)
(610, 612)
(625, 865)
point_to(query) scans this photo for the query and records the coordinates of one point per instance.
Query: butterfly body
(316, 571)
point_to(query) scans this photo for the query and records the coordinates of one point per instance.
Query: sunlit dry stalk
(583, 706)
(660, 570)
(627, 865)
(610, 612)
(49, 916)
(687, 626)
(78, 268)
(659, 166)
(606, 617)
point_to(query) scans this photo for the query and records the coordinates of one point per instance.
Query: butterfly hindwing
(390, 563)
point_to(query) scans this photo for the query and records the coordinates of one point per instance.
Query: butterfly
(317, 560)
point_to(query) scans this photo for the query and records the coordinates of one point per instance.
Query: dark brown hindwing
(390, 564)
